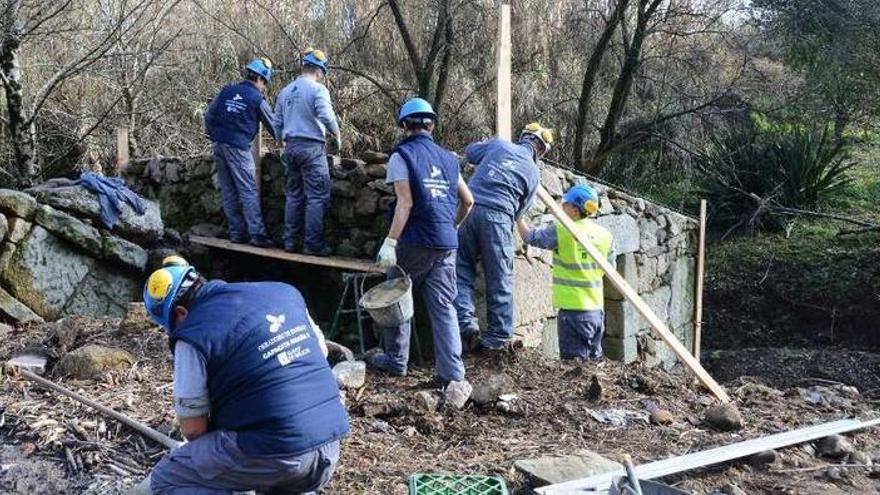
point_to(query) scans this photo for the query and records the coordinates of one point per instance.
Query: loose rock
(595, 391)
(136, 320)
(457, 393)
(763, 459)
(725, 417)
(549, 470)
(662, 417)
(336, 353)
(93, 360)
(834, 447)
(859, 457)
(426, 401)
(32, 362)
(374, 157)
(488, 390)
(350, 374)
(731, 489)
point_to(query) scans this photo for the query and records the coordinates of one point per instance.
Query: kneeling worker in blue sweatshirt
(577, 278)
(253, 391)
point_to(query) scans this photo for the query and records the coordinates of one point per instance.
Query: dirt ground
(50, 444)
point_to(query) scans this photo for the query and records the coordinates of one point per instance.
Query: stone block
(618, 349)
(626, 267)
(621, 319)
(14, 310)
(367, 202)
(647, 233)
(381, 186)
(44, 272)
(104, 292)
(92, 360)
(625, 231)
(69, 228)
(17, 203)
(377, 170)
(550, 338)
(532, 292)
(681, 309)
(552, 469)
(647, 268)
(4, 227)
(126, 253)
(374, 157)
(658, 301)
(18, 229)
(550, 181)
(6, 252)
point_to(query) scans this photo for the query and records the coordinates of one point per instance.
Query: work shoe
(262, 242)
(323, 253)
(238, 240)
(293, 248)
(379, 361)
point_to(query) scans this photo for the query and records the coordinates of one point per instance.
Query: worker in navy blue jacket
(232, 122)
(253, 391)
(431, 201)
(504, 185)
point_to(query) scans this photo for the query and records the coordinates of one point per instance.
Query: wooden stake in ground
(698, 286)
(257, 150)
(122, 150)
(135, 425)
(624, 288)
(503, 104)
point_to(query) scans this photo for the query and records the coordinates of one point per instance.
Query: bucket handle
(399, 269)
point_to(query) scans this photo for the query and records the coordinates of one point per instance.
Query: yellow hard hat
(174, 260)
(544, 134)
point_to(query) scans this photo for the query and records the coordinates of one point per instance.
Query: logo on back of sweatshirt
(237, 97)
(275, 322)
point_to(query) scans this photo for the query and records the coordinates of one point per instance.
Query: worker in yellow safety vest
(577, 278)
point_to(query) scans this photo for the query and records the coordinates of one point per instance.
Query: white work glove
(388, 253)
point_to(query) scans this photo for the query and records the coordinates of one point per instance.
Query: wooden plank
(350, 264)
(698, 286)
(647, 313)
(135, 425)
(122, 149)
(502, 67)
(695, 460)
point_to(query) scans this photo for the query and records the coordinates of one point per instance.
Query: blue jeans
(308, 193)
(213, 464)
(486, 235)
(235, 173)
(433, 275)
(580, 333)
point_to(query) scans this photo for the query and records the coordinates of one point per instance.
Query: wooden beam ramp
(658, 469)
(350, 264)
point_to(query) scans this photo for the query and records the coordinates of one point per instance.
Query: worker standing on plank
(504, 185)
(253, 391)
(577, 278)
(304, 119)
(232, 121)
(431, 201)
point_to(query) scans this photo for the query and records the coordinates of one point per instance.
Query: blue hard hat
(584, 198)
(416, 109)
(164, 288)
(260, 67)
(316, 58)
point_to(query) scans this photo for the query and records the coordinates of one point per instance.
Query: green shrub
(753, 169)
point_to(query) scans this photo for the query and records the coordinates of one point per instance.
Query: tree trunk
(22, 131)
(622, 87)
(590, 79)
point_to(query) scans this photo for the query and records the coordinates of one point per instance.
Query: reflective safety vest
(577, 278)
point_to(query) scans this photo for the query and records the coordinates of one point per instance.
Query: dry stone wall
(57, 259)
(655, 246)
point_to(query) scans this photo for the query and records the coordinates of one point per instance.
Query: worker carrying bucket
(431, 200)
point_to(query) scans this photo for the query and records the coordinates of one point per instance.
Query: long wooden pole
(135, 425)
(632, 296)
(698, 286)
(503, 103)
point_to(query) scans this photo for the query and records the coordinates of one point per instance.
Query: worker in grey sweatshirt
(304, 120)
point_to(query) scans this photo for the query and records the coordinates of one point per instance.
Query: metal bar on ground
(695, 460)
(698, 286)
(331, 262)
(633, 297)
(135, 425)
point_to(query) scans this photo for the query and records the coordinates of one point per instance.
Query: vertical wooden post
(503, 105)
(698, 286)
(121, 149)
(257, 150)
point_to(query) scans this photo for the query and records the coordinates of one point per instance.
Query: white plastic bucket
(390, 303)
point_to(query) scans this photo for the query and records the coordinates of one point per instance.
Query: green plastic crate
(450, 484)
